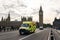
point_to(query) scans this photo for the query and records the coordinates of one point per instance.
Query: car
(41, 27)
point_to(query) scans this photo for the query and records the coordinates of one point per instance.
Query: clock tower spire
(40, 16)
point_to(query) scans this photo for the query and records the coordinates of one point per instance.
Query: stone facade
(7, 23)
(56, 23)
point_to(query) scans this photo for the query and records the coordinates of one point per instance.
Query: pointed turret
(8, 17)
(2, 19)
(40, 9)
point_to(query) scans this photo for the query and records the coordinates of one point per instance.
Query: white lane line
(54, 38)
(29, 35)
(25, 37)
(49, 36)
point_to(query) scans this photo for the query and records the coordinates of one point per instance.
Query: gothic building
(56, 23)
(40, 16)
(7, 23)
(26, 19)
(29, 18)
(23, 19)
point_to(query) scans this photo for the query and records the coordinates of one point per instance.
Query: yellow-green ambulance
(27, 27)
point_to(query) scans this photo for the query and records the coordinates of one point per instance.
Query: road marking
(25, 37)
(49, 36)
(29, 35)
(54, 38)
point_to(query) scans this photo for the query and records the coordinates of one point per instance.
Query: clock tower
(40, 16)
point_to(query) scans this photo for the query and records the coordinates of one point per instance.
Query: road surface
(56, 34)
(38, 35)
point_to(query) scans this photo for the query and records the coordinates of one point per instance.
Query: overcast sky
(31, 8)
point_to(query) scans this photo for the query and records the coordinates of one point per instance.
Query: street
(38, 35)
(14, 35)
(56, 34)
(10, 36)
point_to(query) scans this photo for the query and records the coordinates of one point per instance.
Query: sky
(30, 8)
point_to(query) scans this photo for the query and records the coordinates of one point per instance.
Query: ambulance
(27, 27)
